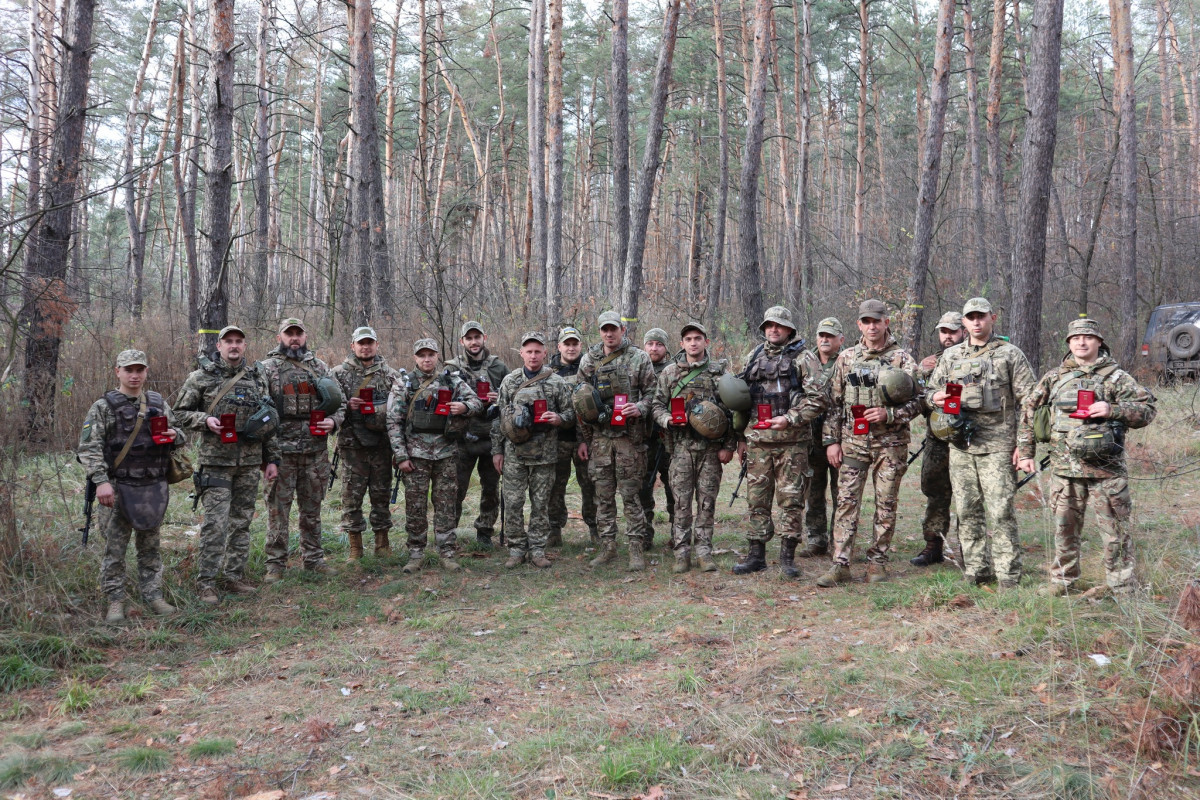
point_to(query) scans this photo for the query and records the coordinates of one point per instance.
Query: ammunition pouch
(1096, 443)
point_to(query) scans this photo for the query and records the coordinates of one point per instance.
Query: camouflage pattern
(430, 481)
(984, 485)
(542, 446)
(99, 425)
(1068, 501)
(886, 467)
(632, 374)
(702, 387)
(535, 481)
(360, 430)
(243, 399)
(292, 384)
(807, 398)
(839, 422)
(776, 473)
(824, 475)
(366, 470)
(658, 455)
(303, 477)
(996, 380)
(225, 534)
(935, 460)
(695, 476)
(568, 456)
(408, 443)
(475, 451)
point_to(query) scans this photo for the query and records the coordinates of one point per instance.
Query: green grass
(143, 760)
(18, 672)
(139, 690)
(209, 748)
(18, 769)
(688, 682)
(30, 741)
(76, 697)
(645, 761)
(830, 737)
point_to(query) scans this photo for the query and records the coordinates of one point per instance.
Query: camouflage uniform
(882, 453)
(1075, 479)
(997, 379)
(430, 442)
(935, 479)
(695, 466)
(363, 446)
(108, 425)
(824, 479)
(529, 466)
(475, 451)
(658, 455)
(568, 456)
(304, 470)
(230, 470)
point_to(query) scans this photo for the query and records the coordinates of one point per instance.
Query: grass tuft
(689, 682)
(143, 760)
(208, 748)
(19, 769)
(76, 697)
(18, 672)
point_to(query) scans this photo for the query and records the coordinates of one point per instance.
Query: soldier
(995, 379)
(565, 364)
(427, 413)
(535, 404)
(117, 446)
(1087, 454)
(785, 383)
(363, 446)
(935, 461)
(300, 385)
(232, 390)
(874, 393)
(658, 459)
(614, 435)
(699, 442)
(478, 367)
(830, 340)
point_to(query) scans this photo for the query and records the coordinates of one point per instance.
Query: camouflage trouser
(646, 495)
(436, 480)
(694, 474)
(776, 472)
(366, 469)
(816, 515)
(225, 534)
(1068, 500)
(984, 486)
(303, 477)
(568, 454)
(469, 455)
(534, 481)
(617, 465)
(935, 485)
(117, 531)
(887, 468)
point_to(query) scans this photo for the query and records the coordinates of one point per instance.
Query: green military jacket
(626, 371)
(788, 378)
(414, 427)
(542, 447)
(243, 399)
(358, 429)
(674, 381)
(996, 379)
(292, 385)
(839, 423)
(1133, 406)
(98, 427)
(488, 368)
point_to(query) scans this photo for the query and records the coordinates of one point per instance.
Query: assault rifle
(1045, 462)
(741, 477)
(89, 500)
(913, 456)
(396, 485)
(333, 465)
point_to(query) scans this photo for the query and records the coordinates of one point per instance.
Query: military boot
(932, 554)
(515, 559)
(637, 559)
(787, 558)
(354, 539)
(755, 561)
(483, 538)
(209, 596)
(593, 534)
(161, 607)
(383, 547)
(239, 586)
(876, 573)
(838, 573)
(555, 538)
(273, 576)
(415, 557)
(608, 552)
(539, 560)
(116, 613)
(683, 560)
(449, 562)
(705, 562)
(812, 550)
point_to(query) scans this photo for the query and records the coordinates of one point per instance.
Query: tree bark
(973, 145)
(262, 150)
(218, 178)
(805, 134)
(554, 194)
(750, 272)
(995, 162)
(860, 151)
(191, 177)
(1125, 101)
(137, 234)
(536, 124)
(619, 98)
(722, 211)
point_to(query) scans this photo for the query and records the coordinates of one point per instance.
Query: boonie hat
(780, 315)
(127, 358)
(1083, 327)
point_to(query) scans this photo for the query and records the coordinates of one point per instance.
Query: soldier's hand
(550, 418)
(630, 410)
(498, 463)
(929, 362)
(214, 425)
(833, 454)
(493, 396)
(106, 494)
(741, 451)
(1099, 410)
(355, 403)
(171, 435)
(724, 456)
(271, 472)
(875, 415)
(1016, 459)
(939, 398)
(325, 425)
(582, 451)
(405, 466)
(1027, 465)
(779, 423)
(457, 408)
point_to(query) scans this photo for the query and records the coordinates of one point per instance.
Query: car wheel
(1183, 341)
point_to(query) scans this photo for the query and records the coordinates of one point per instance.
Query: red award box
(619, 402)
(678, 411)
(1083, 403)
(764, 416)
(539, 410)
(953, 403)
(313, 418)
(861, 426)
(443, 403)
(158, 430)
(228, 428)
(367, 395)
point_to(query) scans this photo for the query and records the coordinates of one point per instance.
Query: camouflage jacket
(996, 379)
(839, 424)
(542, 447)
(358, 429)
(294, 394)
(788, 377)
(818, 424)
(1133, 406)
(243, 399)
(488, 368)
(414, 427)
(99, 426)
(702, 387)
(569, 372)
(627, 371)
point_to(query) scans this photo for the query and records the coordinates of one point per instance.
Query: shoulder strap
(137, 428)
(611, 357)
(686, 379)
(224, 390)
(750, 361)
(540, 376)
(370, 373)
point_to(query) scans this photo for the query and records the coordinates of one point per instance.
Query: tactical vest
(702, 388)
(772, 378)
(570, 374)
(984, 390)
(422, 405)
(613, 379)
(294, 390)
(862, 377)
(243, 399)
(1065, 395)
(490, 369)
(146, 462)
(379, 383)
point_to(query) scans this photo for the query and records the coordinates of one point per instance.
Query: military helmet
(261, 424)
(1082, 326)
(740, 420)
(589, 406)
(895, 385)
(517, 424)
(780, 315)
(1092, 442)
(734, 392)
(330, 392)
(708, 419)
(947, 427)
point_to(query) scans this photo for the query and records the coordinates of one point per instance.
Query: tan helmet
(589, 406)
(734, 392)
(946, 427)
(895, 385)
(708, 419)
(516, 423)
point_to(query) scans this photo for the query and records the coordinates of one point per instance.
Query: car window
(1163, 320)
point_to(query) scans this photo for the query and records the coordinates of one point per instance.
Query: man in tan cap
(565, 364)
(830, 340)
(658, 458)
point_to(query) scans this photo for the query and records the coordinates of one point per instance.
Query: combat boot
(932, 554)
(320, 568)
(838, 573)
(876, 573)
(515, 559)
(116, 613)
(648, 540)
(273, 576)
(239, 586)
(415, 557)
(354, 539)
(483, 538)
(593, 534)
(161, 607)
(608, 552)
(637, 559)
(383, 547)
(539, 560)
(755, 561)
(683, 561)
(1052, 590)
(209, 596)
(787, 559)
(555, 538)
(812, 551)
(449, 562)
(705, 562)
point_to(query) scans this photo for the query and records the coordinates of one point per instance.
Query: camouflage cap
(365, 332)
(425, 344)
(1084, 327)
(230, 329)
(292, 322)
(780, 315)
(977, 304)
(569, 333)
(872, 309)
(951, 320)
(127, 358)
(609, 318)
(533, 336)
(655, 335)
(470, 325)
(693, 326)
(831, 326)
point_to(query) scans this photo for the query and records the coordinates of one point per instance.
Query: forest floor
(569, 683)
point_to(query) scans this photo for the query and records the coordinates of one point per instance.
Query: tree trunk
(973, 144)
(137, 234)
(191, 178)
(995, 162)
(619, 97)
(554, 195)
(750, 272)
(262, 146)
(1125, 100)
(805, 122)
(722, 211)
(537, 138)
(218, 177)
(860, 152)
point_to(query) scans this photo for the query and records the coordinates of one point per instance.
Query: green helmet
(330, 392)
(708, 419)
(895, 385)
(261, 424)
(589, 406)
(516, 423)
(948, 427)
(1092, 443)
(740, 420)
(734, 392)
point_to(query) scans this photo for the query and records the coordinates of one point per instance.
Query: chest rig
(772, 378)
(243, 399)
(375, 378)
(983, 385)
(422, 406)
(146, 462)
(862, 381)
(1065, 395)
(294, 390)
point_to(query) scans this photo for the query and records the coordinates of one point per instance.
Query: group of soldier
(805, 423)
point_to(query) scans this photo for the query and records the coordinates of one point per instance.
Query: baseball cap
(569, 333)
(609, 318)
(873, 309)
(977, 304)
(425, 344)
(230, 329)
(291, 322)
(951, 320)
(831, 326)
(470, 325)
(533, 336)
(365, 332)
(127, 358)
(693, 326)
